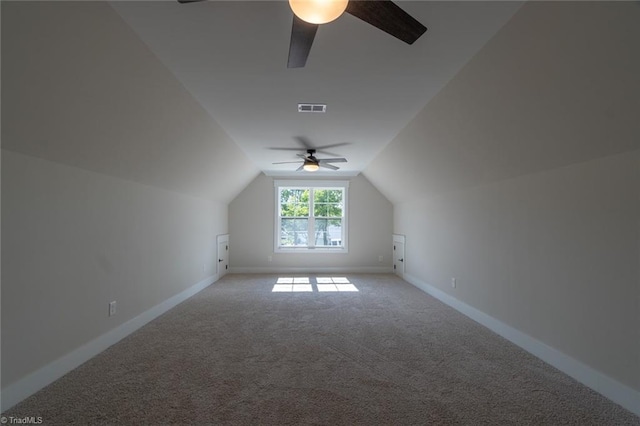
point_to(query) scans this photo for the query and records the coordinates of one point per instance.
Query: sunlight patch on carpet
(304, 284)
(292, 284)
(326, 284)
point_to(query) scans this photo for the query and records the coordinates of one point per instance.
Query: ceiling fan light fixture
(310, 166)
(318, 11)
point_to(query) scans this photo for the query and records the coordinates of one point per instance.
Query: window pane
(328, 232)
(294, 210)
(294, 195)
(294, 202)
(293, 232)
(327, 202)
(327, 210)
(320, 210)
(327, 196)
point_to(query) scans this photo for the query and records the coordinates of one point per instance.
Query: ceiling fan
(308, 15)
(311, 164)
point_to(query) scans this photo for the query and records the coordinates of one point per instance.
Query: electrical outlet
(453, 282)
(112, 308)
(380, 258)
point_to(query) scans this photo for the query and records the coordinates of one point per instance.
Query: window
(311, 216)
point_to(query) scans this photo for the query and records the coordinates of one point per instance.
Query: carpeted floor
(238, 353)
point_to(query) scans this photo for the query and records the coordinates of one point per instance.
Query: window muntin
(311, 218)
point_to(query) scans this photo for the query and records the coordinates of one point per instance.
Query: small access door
(223, 255)
(398, 255)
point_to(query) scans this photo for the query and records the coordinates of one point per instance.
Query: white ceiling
(231, 56)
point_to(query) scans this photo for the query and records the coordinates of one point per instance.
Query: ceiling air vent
(312, 108)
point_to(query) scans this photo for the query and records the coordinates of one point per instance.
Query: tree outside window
(311, 217)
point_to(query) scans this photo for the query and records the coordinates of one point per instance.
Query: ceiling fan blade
(302, 156)
(332, 160)
(286, 162)
(328, 166)
(302, 35)
(304, 142)
(300, 168)
(189, 1)
(333, 145)
(323, 149)
(284, 149)
(387, 16)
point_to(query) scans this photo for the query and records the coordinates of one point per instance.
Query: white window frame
(312, 184)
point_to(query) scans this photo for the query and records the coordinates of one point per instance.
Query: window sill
(307, 250)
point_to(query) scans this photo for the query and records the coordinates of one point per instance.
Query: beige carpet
(238, 353)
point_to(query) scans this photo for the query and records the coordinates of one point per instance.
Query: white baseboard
(601, 383)
(310, 270)
(27, 386)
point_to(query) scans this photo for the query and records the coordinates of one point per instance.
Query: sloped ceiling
(80, 88)
(557, 85)
(232, 57)
(190, 97)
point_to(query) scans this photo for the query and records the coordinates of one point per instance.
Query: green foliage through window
(294, 202)
(315, 211)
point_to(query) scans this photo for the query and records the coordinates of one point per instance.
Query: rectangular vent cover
(312, 108)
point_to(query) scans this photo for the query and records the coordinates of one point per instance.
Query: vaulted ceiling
(232, 56)
(192, 97)
(558, 85)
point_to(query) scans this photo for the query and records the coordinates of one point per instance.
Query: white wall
(521, 179)
(252, 221)
(553, 254)
(74, 240)
(115, 183)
